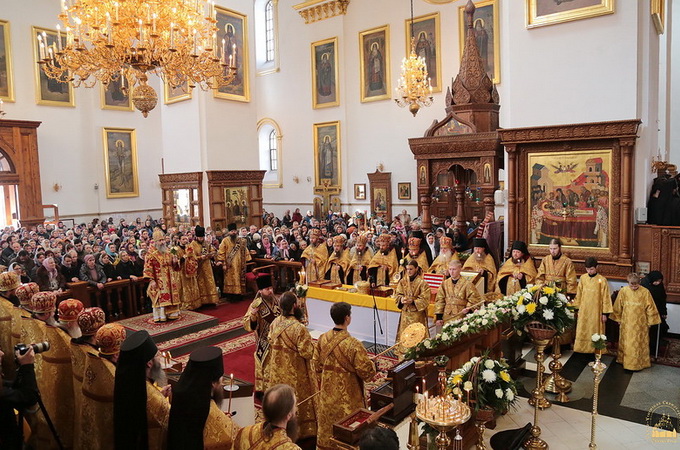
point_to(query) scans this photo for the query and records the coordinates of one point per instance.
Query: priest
(338, 262)
(360, 258)
(205, 252)
(558, 269)
(162, 268)
(455, 296)
(418, 250)
(518, 271)
(384, 263)
(440, 265)
(483, 263)
(233, 254)
(315, 256)
(412, 297)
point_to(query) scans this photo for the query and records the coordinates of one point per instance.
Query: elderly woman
(92, 273)
(48, 277)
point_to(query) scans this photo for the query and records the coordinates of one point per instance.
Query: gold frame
(318, 186)
(102, 100)
(496, 35)
(279, 143)
(439, 2)
(437, 43)
(404, 197)
(37, 69)
(386, 58)
(533, 20)
(133, 153)
(244, 57)
(186, 95)
(359, 195)
(658, 9)
(8, 58)
(315, 100)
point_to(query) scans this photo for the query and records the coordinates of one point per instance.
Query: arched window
(269, 31)
(266, 36)
(269, 139)
(273, 151)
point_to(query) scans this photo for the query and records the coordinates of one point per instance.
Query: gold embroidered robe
(219, 430)
(266, 313)
(234, 255)
(290, 362)
(344, 365)
(97, 403)
(592, 300)
(252, 438)
(188, 276)
(488, 265)
(79, 354)
(452, 297)
(385, 267)
(337, 267)
(56, 386)
(560, 271)
(421, 259)
(160, 268)
(18, 315)
(314, 258)
(509, 269)
(157, 415)
(417, 290)
(34, 330)
(636, 312)
(8, 365)
(359, 265)
(440, 265)
(207, 290)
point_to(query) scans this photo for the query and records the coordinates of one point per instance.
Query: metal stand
(598, 367)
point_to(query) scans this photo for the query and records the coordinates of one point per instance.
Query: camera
(37, 347)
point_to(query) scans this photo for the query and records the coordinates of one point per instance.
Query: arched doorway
(9, 200)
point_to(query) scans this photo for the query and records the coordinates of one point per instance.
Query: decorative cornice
(460, 145)
(11, 123)
(186, 177)
(316, 10)
(236, 175)
(571, 132)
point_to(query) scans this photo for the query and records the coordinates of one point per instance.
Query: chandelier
(108, 40)
(414, 87)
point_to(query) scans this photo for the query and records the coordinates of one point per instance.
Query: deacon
(188, 262)
(447, 254)
(291, 361)
(204, 251)
(9, 282)
(594, 303)
(233, 254)
(557, 268)
(338, 262)
(418, 250)
(482, 262)
(360, 258)
(635, 311)
(412, 297)
(518, 271)
(140, 408)
(162, 268)
(315, 256)
(259, 317)
(456, 295)
(344, 365)
(384, 263)
(196, 421)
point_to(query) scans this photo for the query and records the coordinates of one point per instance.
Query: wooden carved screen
(235, 196)
(182, 198)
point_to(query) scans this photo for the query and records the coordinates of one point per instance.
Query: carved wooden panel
(381, 193)
(660, 247)
(218, 180)
(188, 187)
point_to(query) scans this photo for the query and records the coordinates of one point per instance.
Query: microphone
(371, 281)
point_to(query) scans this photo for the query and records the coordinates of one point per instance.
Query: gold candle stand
(556, 383)
(598, 367)
(482, 416)
(540, 337)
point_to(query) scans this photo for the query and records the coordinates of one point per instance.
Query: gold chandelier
(414, 87)
(106, 39)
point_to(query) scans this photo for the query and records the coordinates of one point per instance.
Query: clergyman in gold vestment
(482, 262)
(360, 258)
(188, 274)
(344, 365)
(384, 263)
(440, 265)
(594, 303)
(338, 262)
(557, 268)
(233, 254)
(412, 297)
(518, 271)
(315, 256)
(204, 252)
(455, 295)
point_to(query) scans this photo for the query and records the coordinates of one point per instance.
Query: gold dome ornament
(144, 97)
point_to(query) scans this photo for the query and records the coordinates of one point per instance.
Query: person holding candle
(594, 304)
(360, 258)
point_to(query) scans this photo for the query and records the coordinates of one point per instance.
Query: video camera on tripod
(37, 347)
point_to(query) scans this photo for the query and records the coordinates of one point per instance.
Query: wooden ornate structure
(379, 181)
(315, 10)
(615, 260)
(659, 246)
(182, 198)
(459, 157)
(19, 147)
(248, 181)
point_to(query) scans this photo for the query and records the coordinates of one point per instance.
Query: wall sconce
(56, 187)
(309, 179)
(296, 179)
(2, 111)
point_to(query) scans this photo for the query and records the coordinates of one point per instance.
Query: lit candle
(172, 35)
(141, 31)
(116, 4)
(59, 36)
(234, 52)
(231, 391)
(426, 401)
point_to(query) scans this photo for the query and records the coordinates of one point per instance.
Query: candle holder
(444, 414)
(598, 367)
(541, 335)
(556, 383)
(482, 416)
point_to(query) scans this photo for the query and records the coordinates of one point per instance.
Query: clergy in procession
(196, 421)
(384, 263)
(456, 295)
(360, 257)
(338, 261)
(518, 271)
(9, 282)
(233, 255)
(344, 366)
(418, 250)
(557, 268)
(483, 263)
(635, 311)
(315, 256)
(204, 251)
(259, 317)
(594, 304)
(290, 361)
(412, 297)
(188, 274)
(440, 265)
(162, 268)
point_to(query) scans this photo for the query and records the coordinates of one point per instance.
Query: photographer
(20, 394)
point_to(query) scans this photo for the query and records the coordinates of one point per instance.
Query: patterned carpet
(188, 322)
(669, 354)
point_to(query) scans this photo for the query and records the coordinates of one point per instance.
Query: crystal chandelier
(414, 87)
(106, 39)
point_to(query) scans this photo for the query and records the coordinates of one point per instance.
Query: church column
(460, 206)
(625, 239)
(425, 213)
(511, 175)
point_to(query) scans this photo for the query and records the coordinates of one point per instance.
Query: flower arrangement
(544, 304)
(487, 381)
(599, 341)
(300, 290)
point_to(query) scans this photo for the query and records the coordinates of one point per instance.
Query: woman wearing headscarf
(48, 277)
(20, 271)
(654, 283)
(108, 267)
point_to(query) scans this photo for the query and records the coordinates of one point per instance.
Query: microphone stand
(376, 316)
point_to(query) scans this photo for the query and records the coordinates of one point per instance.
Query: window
(269, 139)
(269, 31)
(266, 36)
(273, 152)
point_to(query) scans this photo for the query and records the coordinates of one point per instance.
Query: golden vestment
(452, 297)
(337, 267)
(592, 300)
(560, 271)
(8, 365)
(18, 315)
(79, 354)
(344, 365)
(252, 438)
(636, 312)
(290, 362)
(34, 330)
(160, 268)
(509, 269)
(234, 254)
(188, 278)
(440, 265)
(219, 430)
(421, 259)
(488, 265)
(314, 259)
(417, 290)
(386, 266)
(97, 403)
(266, 313)
(56, 387)
(157, 415)
(357, 259)
(207, 290)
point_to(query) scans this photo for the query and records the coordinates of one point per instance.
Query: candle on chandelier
(116, 5)
(59, 36)
(172, 35)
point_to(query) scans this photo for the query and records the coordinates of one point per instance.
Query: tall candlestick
(231, 391)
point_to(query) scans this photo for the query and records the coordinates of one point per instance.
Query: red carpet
(227, 311)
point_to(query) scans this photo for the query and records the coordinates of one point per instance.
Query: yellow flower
(505, 376)
(548, 290)
(520, 302)
(457, 379)
(531, 308)
(533, 288)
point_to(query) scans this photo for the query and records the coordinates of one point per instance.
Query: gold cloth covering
(79, 354)
(387, 266)
(219, 430)
(357, 259)
(314, 258)
(418, 291)
(160, 268)
(266, 313)
(337, 267)
(560, 271)
(188, 278)
(157, 415)
(56, 388)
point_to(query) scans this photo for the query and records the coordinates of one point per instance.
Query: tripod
(376, 317)
(47, 419)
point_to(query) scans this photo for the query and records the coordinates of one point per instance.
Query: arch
(6, 163)
(266, 128)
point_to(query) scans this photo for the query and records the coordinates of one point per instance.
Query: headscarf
(658, 291)
(46, 264)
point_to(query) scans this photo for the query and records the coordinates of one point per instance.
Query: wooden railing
(284, 273)
(119, 299)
